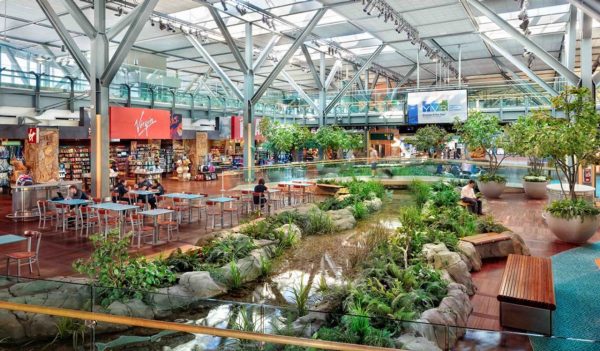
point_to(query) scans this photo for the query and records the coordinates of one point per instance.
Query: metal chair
(45, 213)
(170, 224)
(139, 229)
(213, 211)
(31, 256)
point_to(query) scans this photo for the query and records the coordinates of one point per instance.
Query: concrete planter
(535, 190)
(573, 230)
(491, 190)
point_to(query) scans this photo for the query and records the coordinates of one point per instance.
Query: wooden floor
(522, 216)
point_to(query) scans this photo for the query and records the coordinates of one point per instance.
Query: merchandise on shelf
(75, 160)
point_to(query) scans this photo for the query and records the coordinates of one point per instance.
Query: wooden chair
(89, 220)
(233, 208)
(199, 205)
(180, 207)
(212, 211)
(30, 256)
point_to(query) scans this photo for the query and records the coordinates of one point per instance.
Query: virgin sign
(139, 123)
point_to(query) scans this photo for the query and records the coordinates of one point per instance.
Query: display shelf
(75, 160)
(119, 153)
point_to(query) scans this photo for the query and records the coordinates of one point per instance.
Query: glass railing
(63, 315)
(400, 170)
(490, 98)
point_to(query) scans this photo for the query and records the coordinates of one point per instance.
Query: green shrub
(445, 198)
(258, 230)
(569, 209)
(486, 224)
(359, 210)
(487, 177)
(420, 191)
(300, 295)
(223, 251)
(318, 222)
(235, 276)
(184, 261)
(119, 276)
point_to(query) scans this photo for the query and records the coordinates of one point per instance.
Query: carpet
(577, 290)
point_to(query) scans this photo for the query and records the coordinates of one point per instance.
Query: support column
(322, 91)
(249, 108)
(100, 137)
(586, 52)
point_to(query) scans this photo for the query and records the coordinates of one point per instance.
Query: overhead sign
(437, 106)
(33, 135)
(139, 123)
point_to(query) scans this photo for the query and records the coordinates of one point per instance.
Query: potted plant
(430, 138)
(571, 142)
(484, 131)
(521, 140)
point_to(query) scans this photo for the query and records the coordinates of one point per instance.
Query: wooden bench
(526, 294)
(329, 189)
(167, 253)
(486, 238)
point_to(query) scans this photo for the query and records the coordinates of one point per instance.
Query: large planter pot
(535, 190)
(491, 190)
(573, 230)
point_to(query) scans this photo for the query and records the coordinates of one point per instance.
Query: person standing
(259, 193)
(467, 194)
(373, 156)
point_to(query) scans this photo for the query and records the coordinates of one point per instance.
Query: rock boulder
(342, 219)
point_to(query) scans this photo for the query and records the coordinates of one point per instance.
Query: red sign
(139, 123)
(33, 135)
(587, 175)
(237, 127)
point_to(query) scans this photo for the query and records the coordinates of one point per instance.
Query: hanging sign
(33, 135)
(176, 126)
(237, 128)
(139, 123)
(587, 175)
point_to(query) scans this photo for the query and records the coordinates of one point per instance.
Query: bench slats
(486, 238)
(527, 280)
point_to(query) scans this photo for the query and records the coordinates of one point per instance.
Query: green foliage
(188, 261)
(223, 251)
(535, 178)
(569, 209)
(572, 141)
(285, 137)
(359, 211)
(266, 266)
(522, 140)
(318, 223)
(445, 198)
(235, 276)
(70, 328)
(489, 177)
(300, 294)
(482, 130)
(365, 190)
(119, 276)
(487, 224)
(431, 137)
(420, 191)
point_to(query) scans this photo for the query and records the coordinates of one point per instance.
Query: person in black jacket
(259, 193)
(76, 194)
(121, 190)
(159, 191)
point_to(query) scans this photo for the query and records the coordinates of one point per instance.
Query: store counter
(25, 197)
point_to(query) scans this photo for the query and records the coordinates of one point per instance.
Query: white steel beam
(336, 67)
(299, 90)
(215, 67)
(80, 18)
(123, 23)
(526, 42)
(228, 39)
(128, 40)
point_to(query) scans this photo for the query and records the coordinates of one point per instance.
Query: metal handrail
(186, 328)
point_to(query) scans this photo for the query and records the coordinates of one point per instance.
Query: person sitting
(159, 191)
(76, 194)
(121, 190)
(145, 184)
(467, 194)
(259, 193)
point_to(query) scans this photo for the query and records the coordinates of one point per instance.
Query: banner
(237, 128)
(33, 135)
(176, 127)
(139, 123)
(437, 106)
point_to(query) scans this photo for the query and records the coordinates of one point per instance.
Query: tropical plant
(266, 266)
(482, 130)
(318, 222)
(521, 140)
(359, 210)
(180, 261)
(118, 275)
(487, 224)
(223, 251)
(300, 295)
(420, 192)
(573, 141)
(431, 137)
(568, 209)
(235, 276)
(70, 328)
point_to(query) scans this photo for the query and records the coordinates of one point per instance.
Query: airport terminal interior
(287, 175)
